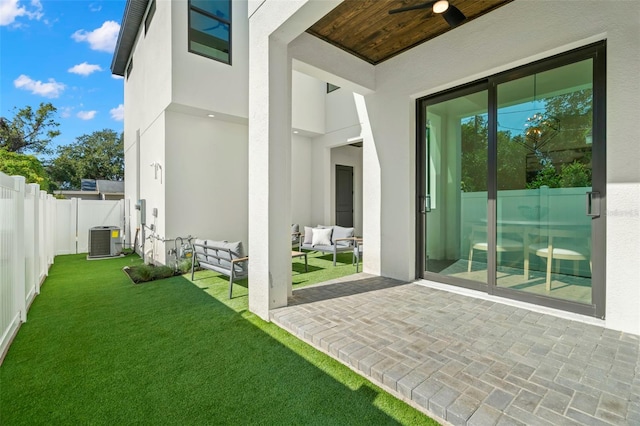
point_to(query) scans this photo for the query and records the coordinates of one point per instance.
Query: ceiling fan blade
(426, 5)
(453, 16)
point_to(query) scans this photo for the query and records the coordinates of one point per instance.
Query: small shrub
(161, 272)
(140, 273)
(146, 273)
(184, 266)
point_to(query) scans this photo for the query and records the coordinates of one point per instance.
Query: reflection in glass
(456, 225)
(544, 173)
(209, 32)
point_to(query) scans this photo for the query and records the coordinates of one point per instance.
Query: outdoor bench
(222, 257)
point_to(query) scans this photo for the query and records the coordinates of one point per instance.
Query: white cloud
(117, 77)
(94, 7)
(86, 115)
(84, 69)
(12, 9)
(117, 113)
(51, 89)
(65, 112)
(103, 38)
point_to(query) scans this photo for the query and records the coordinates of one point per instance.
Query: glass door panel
(544, 162)
(455, 200)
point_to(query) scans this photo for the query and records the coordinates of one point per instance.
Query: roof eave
(131, 20)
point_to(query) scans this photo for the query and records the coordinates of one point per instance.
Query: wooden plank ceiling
(365, 28)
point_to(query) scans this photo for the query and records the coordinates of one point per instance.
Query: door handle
(425, 204)
(593, 204)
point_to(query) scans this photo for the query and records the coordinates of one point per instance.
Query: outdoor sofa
(327, 239)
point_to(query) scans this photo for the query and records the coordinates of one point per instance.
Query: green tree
(29, 131)
(473, 140)
(511, 157)
(99, 155)
(15, 164)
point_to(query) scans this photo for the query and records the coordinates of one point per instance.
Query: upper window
(129, 68)
(210, 29)
(149, 17)
(331, 87)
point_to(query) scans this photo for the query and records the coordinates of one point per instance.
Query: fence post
(74, 223)
(51, 228)
(35, 188)
(19, 259)
(44, 266)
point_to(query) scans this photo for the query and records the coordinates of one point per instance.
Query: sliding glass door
(455, 183)
(545, 136)
(511, 183)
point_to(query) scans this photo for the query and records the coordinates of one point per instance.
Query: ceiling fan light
(440, 6)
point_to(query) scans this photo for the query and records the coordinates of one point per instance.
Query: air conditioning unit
(104, 241)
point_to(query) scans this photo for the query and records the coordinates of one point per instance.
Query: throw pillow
(321, 237)
(342, 232)
(308, 235)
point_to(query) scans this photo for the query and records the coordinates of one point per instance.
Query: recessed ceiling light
(210, 115)
(295, 132)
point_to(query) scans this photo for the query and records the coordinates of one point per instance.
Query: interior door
(344, 196)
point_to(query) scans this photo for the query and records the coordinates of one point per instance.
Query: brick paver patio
(469, 361)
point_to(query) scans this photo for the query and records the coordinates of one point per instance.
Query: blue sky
(60, 51)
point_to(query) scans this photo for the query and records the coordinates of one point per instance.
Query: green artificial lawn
(97, 349)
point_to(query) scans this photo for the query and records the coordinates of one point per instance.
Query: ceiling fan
(449, 12)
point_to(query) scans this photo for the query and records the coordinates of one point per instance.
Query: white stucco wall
(301, 190)
(308, 103)
(147, 91)
(206, 178)
(341, 110)
(206, 83)
(152, 185)
(270, 147)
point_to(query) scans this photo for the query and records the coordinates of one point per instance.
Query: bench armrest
(240, 259)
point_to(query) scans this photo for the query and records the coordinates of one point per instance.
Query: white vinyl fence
(35, 227)
(26, 250)
(76, 217)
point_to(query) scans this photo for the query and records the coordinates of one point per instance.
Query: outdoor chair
(478, 241)
(560, 244)
(357, 254)
(295, 236)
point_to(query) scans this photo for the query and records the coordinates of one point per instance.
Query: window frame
(216, 18)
